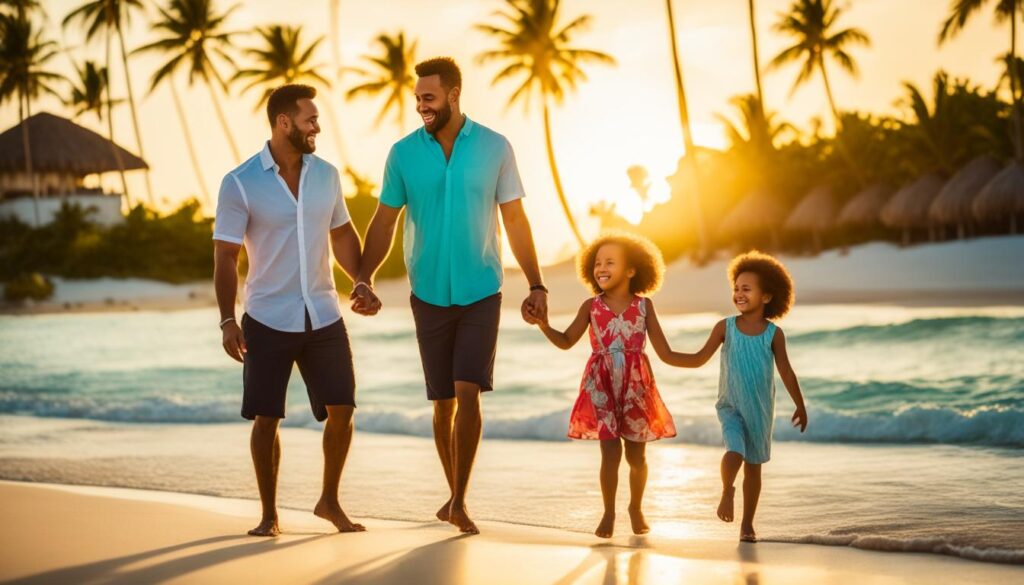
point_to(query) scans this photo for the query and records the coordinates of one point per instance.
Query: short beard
(441, 118)
(298, 140)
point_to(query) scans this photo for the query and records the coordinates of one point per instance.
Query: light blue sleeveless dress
(746, 392)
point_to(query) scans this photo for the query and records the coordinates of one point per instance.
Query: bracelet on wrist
(362, 283)
(539, 287)
(225, 322)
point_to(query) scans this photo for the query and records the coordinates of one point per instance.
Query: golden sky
(624, 115)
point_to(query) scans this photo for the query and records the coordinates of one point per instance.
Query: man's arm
(345, 244)
(380, 236)
(225, 283)
(520, 238)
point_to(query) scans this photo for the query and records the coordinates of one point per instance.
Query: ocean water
(914, 443)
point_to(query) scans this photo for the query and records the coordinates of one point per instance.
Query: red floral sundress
(618, 396)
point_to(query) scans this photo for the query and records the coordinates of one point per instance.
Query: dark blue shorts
(325, 362)
(457, 344)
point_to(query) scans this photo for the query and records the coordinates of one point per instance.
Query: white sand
(59, 534)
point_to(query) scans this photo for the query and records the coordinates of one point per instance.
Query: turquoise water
(870, 374)
(914, 442)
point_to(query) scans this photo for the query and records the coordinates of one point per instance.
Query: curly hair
(641, 255)
(773, 278)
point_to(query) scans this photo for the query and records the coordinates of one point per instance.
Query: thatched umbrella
(61, 146)
(909, 207)
(865, 208)
(952, 206)
(758, 212)
(1002, 197)
(816, 213)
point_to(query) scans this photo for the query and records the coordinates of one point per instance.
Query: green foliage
(28, 286)
(172, 248)
(361, 207)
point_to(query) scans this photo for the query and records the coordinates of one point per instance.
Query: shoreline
(165, 535)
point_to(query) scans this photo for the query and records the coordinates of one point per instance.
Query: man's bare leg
(444, 419)
(265, 445)
(465, 439)
(336, 442)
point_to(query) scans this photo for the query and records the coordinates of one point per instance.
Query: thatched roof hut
(61, 146)
(952, 206)
(1002, 197)
(865, 208)
(908, 208)
(758, 212)
(816, 212)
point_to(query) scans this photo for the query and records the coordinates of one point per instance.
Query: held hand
(535, 307)
(800, 418)
(365, 301)
(233, 341)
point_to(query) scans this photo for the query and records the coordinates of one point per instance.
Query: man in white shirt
(286, 207)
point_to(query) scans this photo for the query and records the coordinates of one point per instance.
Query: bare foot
(747, 533)
(607, 526)
(333, 513)
(636, 518)
(460, 518)
(725, 506)
(266, 528)
(445, 512)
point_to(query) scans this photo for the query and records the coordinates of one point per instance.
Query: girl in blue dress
(762, 291)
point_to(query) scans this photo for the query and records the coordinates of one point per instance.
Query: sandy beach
(949, 274)
(61, 534)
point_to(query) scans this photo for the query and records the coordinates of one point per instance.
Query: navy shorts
(457, 343)
(325, 362)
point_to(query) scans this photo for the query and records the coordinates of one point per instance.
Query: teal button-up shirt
(452, 250)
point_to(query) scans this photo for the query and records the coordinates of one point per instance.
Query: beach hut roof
(816, 212)
(953, 203)
(865, 208)
(1003, 195)
(61, 146)
(757, 212)
(909, 206)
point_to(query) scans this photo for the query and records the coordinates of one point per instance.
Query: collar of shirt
(268, 162)
(467, 128)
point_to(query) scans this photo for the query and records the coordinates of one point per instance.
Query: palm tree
(812, 23)
(23, 56)
(684, 121)
(281, 59)
(960, 12)
(192, 36)
(393, 74)
(757, 129)
(535, 46)
(757, 61)
(111, 17)
(88, 96)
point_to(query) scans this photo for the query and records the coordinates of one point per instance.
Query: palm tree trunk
(1018, 138)
(684, 121)
(110, 126)
(557, 178)
(223, 121)
(135, 115)
(757, 62)
(188, 142)
(828, 92)
(24, 108)
(333, 11)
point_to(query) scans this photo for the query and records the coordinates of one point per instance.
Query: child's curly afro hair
(773, 278)
(641, 255)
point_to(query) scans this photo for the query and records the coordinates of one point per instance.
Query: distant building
(63, 154)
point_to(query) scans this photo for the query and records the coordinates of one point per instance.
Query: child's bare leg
(751, 493)
(637, 460)
(731, 463)
(611, 456)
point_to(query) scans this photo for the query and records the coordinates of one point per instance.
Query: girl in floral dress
(618, 403)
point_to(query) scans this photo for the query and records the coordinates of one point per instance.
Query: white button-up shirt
(287, 239)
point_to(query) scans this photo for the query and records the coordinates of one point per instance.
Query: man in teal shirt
(452, 176)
